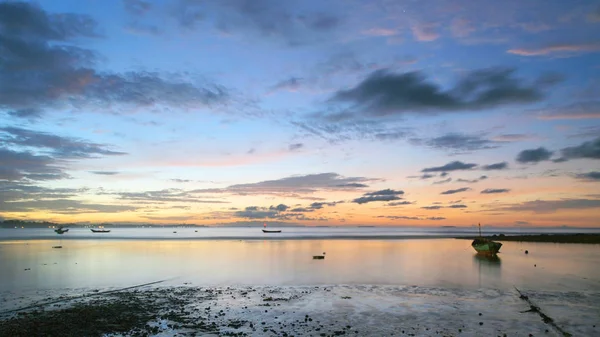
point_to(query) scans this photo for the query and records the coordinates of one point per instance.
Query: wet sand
(550, 238)
(355, 310)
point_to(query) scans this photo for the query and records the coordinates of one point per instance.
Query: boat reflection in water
(488, 269)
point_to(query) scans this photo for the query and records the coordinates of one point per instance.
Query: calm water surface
(109, 262)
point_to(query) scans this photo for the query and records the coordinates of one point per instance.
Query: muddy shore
(296, 311)
(551, 238)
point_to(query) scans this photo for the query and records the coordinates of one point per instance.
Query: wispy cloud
(463, 189)
(425, 32)
(580, 110)
(383, 195)
(495, 190)
(452, 166)
(457, 142)
(550, 206)
(563, 49)
(589, 176)
(497, 166)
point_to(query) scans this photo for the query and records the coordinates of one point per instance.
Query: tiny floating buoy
(56, 246)
(318, 257)
(526, 252)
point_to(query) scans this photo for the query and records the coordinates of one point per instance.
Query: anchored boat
(265, 230)
(61, 230)
(485, 246)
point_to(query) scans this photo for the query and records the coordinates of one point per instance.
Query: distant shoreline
(593, 238)
(549, 238)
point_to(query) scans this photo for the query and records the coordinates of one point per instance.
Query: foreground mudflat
(298, 311)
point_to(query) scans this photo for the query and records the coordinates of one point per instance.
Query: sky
(379, 112)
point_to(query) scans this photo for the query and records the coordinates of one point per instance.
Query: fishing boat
(485, 246)
(61, 230)
(100, 230)
(265, 230)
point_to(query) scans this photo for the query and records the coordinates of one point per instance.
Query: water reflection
(489, 269)
(425, 262)
(493, 261)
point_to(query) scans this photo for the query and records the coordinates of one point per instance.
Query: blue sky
(156, 111)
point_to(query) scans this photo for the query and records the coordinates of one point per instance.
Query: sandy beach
(358, 310)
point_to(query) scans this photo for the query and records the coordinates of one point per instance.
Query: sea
(238, 256)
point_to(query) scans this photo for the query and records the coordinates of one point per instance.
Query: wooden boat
(61, 230)
(485, 246)
(100, 230)
(265, 230)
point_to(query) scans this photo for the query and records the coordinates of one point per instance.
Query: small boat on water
(265, 230)
(485, 246)
(61, 230)
(100, 230)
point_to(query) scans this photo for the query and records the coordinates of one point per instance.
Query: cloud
(511, 137)
(461, 27)
(181, 180)
(382, 195)
(105, 173)
(302, 210)
(425, 32)
(496, 166)
(62, 147)
(268, 19)
(34, 198)
(163, 196)
(452, 166)
(589, 176)
(27, 113)
(565, 49)
(319, 205)
(457, 206)
(380, 32)
(589, 150)
(495, 190)
(403, 217)
(399, 203)
(534, 155)
(579, 110)
(309, 183)
(384, 93)
(387, 191)
(551, 206)
(471, 181)
(457, 142)
(11, 192)
(60, 74)
(294, 147)
(279, 208)
(137, 7)
(364, 200)
(291, 84)
(18, 165)
(353, 185)
(254, 213)
(459, 190)
(439, 182)
(432, 207)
